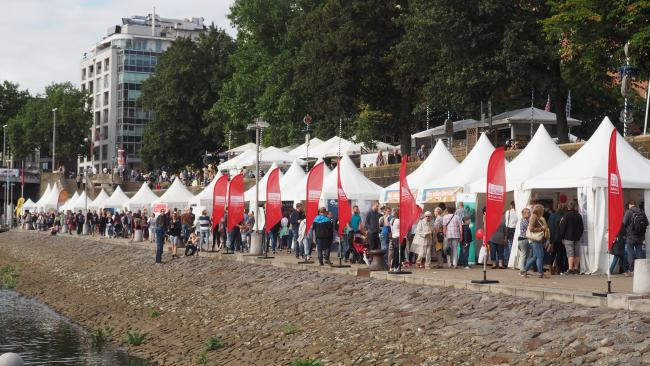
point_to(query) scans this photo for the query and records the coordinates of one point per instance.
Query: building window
(105, 98)
(97, 118)
(83, 74)
(83, 87)
(99, 68)
(106, 82)
(104, 155)
(104, 133)
(91, 69)
(106, 64)
(105, 119)
(90, 86)
(98, 100)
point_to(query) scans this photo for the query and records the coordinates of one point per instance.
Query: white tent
(330, 148)
(249, 195)
(438, 162)
(540, 155)
(354, 183)
(271, 155)
(586, 171)
(236, 162)
(301, 151)
(142, 199)
(473, 167)
(176, 196)
(250, 146)
(116, 200)
(51, 201)
(96, 203)
(66, 206)
(294, 175)
(204, 198)
(81, 202)
(28, 205)
(39, 203)
(298, 192)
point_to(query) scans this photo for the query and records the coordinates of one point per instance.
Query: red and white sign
(314, 189)
(345, 212)
(235, 201)
(273, 200)
(496, 189)
(614, 193)
(156, 207)
(409, 211)
(219, 199)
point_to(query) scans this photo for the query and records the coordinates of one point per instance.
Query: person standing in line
(397, 255)
(355, 226)
(463, 258)
(296, 217)
(635, 223)
(618, 251)
(537, 234)
(80, 222)
(372, 226)
(497, 245)
(570, 232)
(285, 233)
(384, 227)
(438, 236)
(452, 228)
(152, 227)
(204, 230)
(186, 224)
(522, 241)
(161, 228)
(423, 240)
(511, 220)
(174, 232)
(323, 231)
(557, 251)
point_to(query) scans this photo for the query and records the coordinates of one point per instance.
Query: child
(464, 245)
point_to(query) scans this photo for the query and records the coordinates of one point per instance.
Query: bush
(8, 276)
(135, 338)
(290, 328)
(202, 358)
(99, 337)
(214, 343)
(154, 314)
(306, 363)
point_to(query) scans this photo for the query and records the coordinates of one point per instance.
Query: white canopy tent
(39, 203)
(204, 198)
(28, 205)
(96, 203)
(301, 151)
(80, 203)
(271, 155)
(356, 186)
(473, 167)
(51, 201)
(116, 201)
(586, 171)
(298, 192)
(176, 196)
(330, 148)
(250, 146)
(249, 195)
(293, 176)
(235, 163)
(142, 199)
(439, 161)
(67, 205)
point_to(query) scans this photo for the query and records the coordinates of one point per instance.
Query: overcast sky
(42, 41)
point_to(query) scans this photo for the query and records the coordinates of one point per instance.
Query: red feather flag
(219, 199)
(314, 188)
(345, 212)
(409, 211)
(273, 200)
(614, 193)
(496, 192)
(235, 201)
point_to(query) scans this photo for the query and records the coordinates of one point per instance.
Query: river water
(42, 337)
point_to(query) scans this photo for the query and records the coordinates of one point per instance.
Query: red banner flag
(314, 188)
(409, 211)
(219, 199)
(235, 201)
(345, 212)
(496, 192)
(614, 193)
(273, 200)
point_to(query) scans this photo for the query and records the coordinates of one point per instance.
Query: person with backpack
(570, 233)
(324, 233)
(635, 223)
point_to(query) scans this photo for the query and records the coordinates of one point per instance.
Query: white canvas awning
(298, 192)
(249, 195)
(67, 205)
(176, 196)
(353, 182)
(39, 203)
(116, 200)
(96, 203)
(301, 151)
(330, 148)
(204, 198)
(142, 199)
(294, 175)
(250, 146)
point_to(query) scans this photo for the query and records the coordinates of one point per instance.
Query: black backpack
(638, 222)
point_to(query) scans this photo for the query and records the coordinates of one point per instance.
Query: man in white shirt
(510, 219)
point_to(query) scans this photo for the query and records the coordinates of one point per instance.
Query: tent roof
(540, 155)
(588, 166)
(144, 196)
(66, 206)
(52, 199)
(80, 203)
(440, 160)
(116, 200)
(472, 168)
(331, 148)
(271, 155)
(298, 192)
(235, 163)
(523, 115)
(45, 194)
(294, 175)
(301, 151)
(249, 195)
(206, 193)
(245, 147)
(29, 204)
(459, 125)
(101, 197)
(354, 183)
(176, 193)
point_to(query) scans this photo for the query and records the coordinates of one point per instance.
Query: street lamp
(4, 165)
(54, 139)
(307, 130)
(256, 241)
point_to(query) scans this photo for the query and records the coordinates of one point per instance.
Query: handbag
(537, 236)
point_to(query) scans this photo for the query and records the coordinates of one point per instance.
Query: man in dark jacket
(324, 232)
(635, 223)
(570, 232)
(162, 223)
(294, 221)
(372, 226)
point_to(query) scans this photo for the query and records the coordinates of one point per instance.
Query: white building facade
(113, 71)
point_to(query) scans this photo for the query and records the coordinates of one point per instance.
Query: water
(42, 337)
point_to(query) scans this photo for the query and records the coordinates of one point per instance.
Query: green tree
(188, 80)
(12, 100)
(31, 128)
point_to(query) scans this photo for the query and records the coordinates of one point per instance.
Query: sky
(43, 40)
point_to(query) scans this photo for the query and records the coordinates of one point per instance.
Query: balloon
(479, 234)
(562, 198)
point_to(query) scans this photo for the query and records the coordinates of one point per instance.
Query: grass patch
(99, 337)
(306, 363)
(135, 338)
(290, 328)
(202, 358)
(8, 276)
(214, 343)
(154, 314)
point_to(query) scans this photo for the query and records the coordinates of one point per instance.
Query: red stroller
(359, 248)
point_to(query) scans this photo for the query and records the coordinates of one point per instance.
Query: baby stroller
(118, 230)
(358, 248)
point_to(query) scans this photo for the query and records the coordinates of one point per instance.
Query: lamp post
(307, 130)
(86, 227)
(256, 238)
(626, 73)
(4, 165)
(54, 139)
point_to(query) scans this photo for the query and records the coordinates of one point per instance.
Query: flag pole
(338, 168)
(401, 214)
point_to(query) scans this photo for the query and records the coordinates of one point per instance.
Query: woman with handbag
(438, 236)
(537, 234)
(523, 245)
